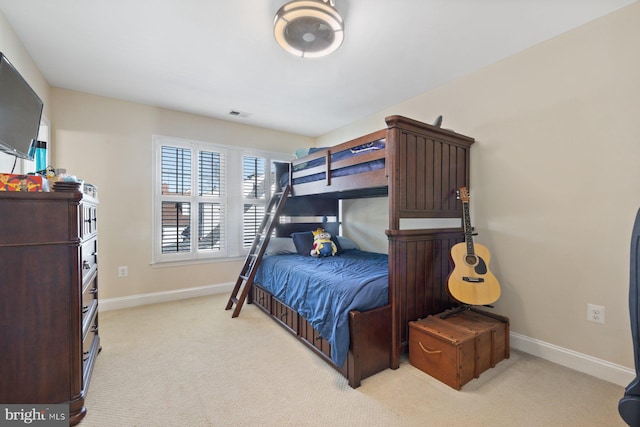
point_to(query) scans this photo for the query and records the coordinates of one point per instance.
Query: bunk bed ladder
(258, 247)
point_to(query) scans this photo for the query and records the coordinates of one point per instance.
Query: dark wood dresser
(48, 298)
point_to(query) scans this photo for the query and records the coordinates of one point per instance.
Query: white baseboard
(598, 368)
(156, 297)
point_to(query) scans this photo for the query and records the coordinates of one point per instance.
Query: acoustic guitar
(471, 282)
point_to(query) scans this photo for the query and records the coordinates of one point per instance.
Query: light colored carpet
(188, 363)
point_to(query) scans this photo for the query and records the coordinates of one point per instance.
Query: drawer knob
(86, 265)
(85, 309)
(427, 350)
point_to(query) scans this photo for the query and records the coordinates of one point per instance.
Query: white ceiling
(212, 56)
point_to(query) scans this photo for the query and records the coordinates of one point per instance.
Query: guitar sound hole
(471, 260)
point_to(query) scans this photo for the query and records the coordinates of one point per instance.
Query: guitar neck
(468, 232)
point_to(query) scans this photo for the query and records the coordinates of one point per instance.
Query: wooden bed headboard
(426, 166)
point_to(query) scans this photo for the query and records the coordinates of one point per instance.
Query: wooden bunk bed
(419, 168)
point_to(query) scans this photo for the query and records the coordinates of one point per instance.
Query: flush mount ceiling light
(309, 28)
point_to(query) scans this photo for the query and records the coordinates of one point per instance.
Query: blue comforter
(324, 290)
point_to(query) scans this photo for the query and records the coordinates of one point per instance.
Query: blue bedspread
(324, 290)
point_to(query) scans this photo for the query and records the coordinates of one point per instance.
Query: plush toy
(322, 244)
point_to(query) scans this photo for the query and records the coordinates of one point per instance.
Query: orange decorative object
(15, 182)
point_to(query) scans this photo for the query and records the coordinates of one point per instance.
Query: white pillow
(280, 246)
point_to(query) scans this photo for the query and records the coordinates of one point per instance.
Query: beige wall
(107, 142)
(555, 182)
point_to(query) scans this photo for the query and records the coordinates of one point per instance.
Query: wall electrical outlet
(123, 271)
(595, 313)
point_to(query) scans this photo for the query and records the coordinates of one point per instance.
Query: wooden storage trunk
(491, 335)
(442, 350)
(457, 346)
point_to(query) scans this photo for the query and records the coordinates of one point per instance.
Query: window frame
(232, 199)
(259, 203)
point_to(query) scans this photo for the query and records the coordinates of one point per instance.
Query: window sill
(165, 264)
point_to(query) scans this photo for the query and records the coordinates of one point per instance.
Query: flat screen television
(20, 112)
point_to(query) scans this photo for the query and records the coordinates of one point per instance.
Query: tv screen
(20, 112)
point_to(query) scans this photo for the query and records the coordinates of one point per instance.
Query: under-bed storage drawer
(261, 298)
(284, 314)
(311, 336)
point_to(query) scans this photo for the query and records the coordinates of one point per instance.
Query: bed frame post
(354, 373)
(425, 166)
(369, 351)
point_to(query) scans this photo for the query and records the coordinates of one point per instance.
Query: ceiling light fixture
(309, 28)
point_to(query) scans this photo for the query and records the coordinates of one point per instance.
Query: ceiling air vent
(236, 113)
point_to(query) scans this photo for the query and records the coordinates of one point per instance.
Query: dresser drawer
(89, 258)
(89, 221)
(90, 349)
(87, 342)
(89, 303)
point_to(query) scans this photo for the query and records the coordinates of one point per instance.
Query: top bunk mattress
(299, 168)
(324, 290)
